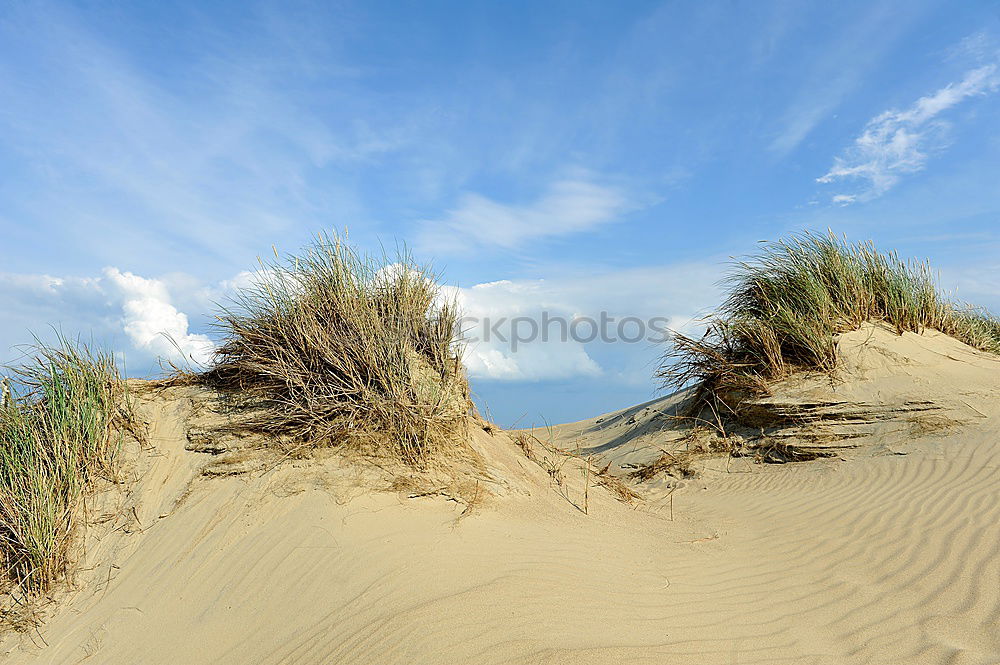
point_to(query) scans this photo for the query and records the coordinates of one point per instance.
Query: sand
(888, 552)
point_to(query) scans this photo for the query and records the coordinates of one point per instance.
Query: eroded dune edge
(886, 550)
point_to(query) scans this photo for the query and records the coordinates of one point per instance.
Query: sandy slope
(880, 557)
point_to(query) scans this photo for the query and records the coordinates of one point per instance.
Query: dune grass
(332, 346)
(62, 418)
(786, 305)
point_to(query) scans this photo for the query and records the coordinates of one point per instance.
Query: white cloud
(836, 71)
(152, 323)
(675, 294)
(895, 143)
(568, 206)
(104, 309)
(492, 354)
(140, 316)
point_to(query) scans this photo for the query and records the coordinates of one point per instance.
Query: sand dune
(888, 552)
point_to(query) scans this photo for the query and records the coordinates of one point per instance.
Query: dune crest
(888, 389)
(887, 553)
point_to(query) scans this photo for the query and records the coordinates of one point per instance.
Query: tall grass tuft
(786, 305)
(62, 418)
(335, 347)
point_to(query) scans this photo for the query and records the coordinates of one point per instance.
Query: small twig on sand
(699, 540)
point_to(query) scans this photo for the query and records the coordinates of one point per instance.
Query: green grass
(785, 306)
(62, 417)
(331, 346)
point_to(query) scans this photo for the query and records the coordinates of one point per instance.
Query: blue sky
(571, 157)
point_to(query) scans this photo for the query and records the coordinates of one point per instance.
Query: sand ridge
(887, 553)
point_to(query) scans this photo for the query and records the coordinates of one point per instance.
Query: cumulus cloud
(523, 330)
(493, 311)
(150, 318)
(567, 206)
(896, 143)
(152, 323)
(134, 315)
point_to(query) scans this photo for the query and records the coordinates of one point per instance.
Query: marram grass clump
(333, 347)
(786, 305)
(63, 416)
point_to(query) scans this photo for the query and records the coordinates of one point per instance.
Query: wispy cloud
(837, 70)
(896, 143)
(231, 144)
(567, 207)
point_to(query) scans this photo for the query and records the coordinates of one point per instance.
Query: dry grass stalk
(701, 441)
(678, 465)
(616, 486)
(335, 347)
(523, 441)
(786, 305)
